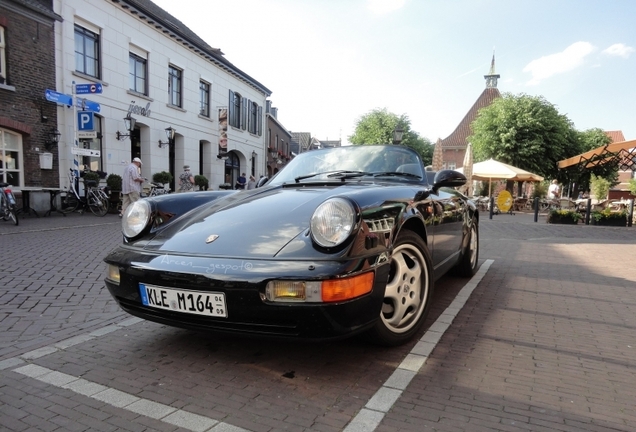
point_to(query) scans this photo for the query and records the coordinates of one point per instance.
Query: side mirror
(448, 178)
(262, 181)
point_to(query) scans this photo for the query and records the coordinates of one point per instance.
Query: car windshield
(340, 163)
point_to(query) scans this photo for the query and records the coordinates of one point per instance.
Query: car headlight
(136, 218)
(332, 222)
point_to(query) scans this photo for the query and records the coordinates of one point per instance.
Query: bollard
(588, 209)
(536, 209)
(492, 206)
(630, 213)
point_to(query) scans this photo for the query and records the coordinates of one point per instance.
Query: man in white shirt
(553, 190)
(131, 184)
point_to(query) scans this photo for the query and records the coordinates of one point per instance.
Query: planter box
(619, 222)
(564, 220)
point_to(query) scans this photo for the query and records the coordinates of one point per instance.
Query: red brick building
(454, 146)
(27, 69)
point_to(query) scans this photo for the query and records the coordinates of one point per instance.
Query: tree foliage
(580, 175)
(377, 126)
(524, 131)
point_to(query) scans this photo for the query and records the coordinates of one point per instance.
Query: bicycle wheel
(98, 205)
(69, 202)
(13, 214)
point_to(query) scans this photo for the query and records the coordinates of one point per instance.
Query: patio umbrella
(467, 169)
(438, 158)
(492, 169)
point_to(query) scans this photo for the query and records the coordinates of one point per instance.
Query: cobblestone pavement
(542, 340)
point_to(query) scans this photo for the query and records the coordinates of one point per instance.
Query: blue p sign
(85, 121)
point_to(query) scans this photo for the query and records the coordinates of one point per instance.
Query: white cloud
(619, 49)
(385, 6)
(570, 58)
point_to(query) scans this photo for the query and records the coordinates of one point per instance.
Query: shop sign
(136, 109)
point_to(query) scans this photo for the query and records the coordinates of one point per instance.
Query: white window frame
(3, 61)
(4, 146)
(175, 78)
(97, 59)
(139, 57)
(204, 98)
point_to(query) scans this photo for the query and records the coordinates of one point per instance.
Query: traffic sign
(85, 121)
(61, 98)
(88, 105)
(85, 152)
(88, 88)
(86, 134)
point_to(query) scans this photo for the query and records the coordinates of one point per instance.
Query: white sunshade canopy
(495, 170)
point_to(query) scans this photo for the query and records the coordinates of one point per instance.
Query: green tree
(581, 175)
(377, 126)
(525, 131)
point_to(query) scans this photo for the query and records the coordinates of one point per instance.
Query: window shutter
(259, 121)
(250, 126)
(244, 113)
(230, 111)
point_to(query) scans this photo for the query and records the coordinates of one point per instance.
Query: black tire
(68, 202)
(98, 205)
(13, 214)
(408, 292)
(467, 265)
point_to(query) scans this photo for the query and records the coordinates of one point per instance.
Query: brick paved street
(544, 342)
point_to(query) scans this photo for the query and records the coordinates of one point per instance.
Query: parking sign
(85, 121)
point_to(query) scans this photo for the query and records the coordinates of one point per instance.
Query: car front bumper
(243, 283)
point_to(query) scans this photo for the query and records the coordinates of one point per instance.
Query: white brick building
(154, 68)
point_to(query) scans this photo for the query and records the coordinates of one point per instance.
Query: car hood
(249, 224)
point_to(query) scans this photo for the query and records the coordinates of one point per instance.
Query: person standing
(553, 190)
(131, 184)
(186, 180)
(251, 183)
(240, 182)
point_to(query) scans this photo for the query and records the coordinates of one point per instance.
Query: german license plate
(192, 302)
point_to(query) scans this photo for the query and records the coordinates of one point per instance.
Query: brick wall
(30, 56)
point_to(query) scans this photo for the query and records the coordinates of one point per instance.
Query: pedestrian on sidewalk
(186, 180)
(131, 184)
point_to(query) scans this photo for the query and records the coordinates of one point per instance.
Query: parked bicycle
(8, 209)
(95, 198)
(156, 189)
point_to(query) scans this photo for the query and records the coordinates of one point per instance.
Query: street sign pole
(75, 144)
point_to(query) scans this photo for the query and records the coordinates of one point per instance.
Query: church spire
(491, 78)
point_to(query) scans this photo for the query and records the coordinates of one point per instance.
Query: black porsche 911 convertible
(341, 241)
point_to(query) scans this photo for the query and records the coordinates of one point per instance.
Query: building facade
(188, 103)
(27, 69)
(279, 142)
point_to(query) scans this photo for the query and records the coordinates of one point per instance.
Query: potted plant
(563, 217)
(162, 177)
(606, 217)
(540, 190)
(201, 181)
(90, 175)
(599, 187)
(113, 182)
(632, 186)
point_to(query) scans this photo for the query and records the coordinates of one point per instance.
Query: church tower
(454, 146)
(491, 78)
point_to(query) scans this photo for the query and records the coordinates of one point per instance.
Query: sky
(329, 62)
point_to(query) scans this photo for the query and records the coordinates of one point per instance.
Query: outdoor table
(26, 200)
(54, 192)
